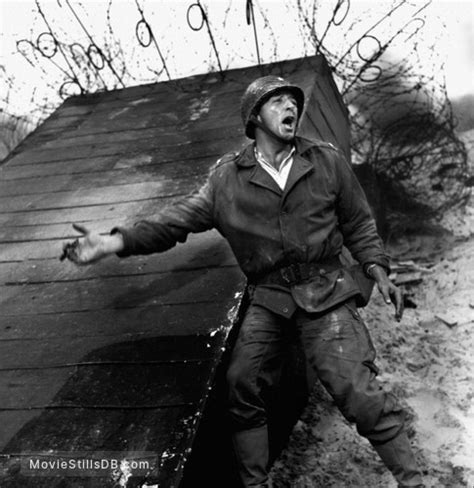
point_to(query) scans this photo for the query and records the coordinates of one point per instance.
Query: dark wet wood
(120, 292)
(156, 320)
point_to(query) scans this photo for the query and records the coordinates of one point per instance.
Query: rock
(449, 321)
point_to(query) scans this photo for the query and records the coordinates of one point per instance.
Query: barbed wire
(143, 28)
(93, 49)
(401, 120)
(73, 78)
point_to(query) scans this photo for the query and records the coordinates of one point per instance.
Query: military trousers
(338, 350)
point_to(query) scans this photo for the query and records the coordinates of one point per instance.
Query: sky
(449, 25)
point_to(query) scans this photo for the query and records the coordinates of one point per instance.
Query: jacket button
(285, 310)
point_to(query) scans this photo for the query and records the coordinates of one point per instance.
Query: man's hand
(390, 293)
(91, 247)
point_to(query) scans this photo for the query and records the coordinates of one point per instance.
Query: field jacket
(321, 208)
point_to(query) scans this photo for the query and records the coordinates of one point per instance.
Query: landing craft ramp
(122, 356)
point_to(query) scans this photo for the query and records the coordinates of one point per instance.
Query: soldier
(287, 205)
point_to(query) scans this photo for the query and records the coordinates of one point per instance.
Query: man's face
(280, 115)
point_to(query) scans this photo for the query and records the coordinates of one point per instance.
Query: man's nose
(290, 102)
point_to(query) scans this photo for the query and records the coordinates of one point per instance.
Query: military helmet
(259, 91)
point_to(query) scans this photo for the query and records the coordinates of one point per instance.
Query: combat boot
(398, 456)
(251, 452)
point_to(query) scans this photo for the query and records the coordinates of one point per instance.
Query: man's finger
(81, 228)
(398, 304)
(397, 301)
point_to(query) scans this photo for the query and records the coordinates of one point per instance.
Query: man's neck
(272, 150)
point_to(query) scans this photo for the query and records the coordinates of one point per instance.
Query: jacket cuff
(384, 263)
(127, 242)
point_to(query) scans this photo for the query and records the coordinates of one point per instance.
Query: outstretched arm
(193, 213)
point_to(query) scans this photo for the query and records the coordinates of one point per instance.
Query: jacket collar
(301, 166)
(247, 159)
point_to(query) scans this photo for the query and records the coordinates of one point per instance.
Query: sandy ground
(426, 362)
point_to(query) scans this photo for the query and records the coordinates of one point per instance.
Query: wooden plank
(150, 351)
(120, 292)
(147, 94)
(138, 209)
(308, 128)
(341, 115)
(71, 118)
(32, 250)
(329, 108)
(69, 182)
(195, 118)
(202, 250)
(162, 122)
(98, 196)
(322, 118)
(166, 136)
(70, 166)
(203, 105)
(142, 164)
(48, 245)
(118, 385)
(188, 150)
(11, 421)
(166, 432)
(53, 353)
(316, 113)
(130, 324)
(326, 72)
(117, 178)
(42, 232)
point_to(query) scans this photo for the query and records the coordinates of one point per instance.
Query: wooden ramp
(121, 357)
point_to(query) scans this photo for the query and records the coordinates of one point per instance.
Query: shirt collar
(246, 157)
(260, 158)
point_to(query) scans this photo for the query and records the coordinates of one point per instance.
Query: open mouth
(289, 120)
